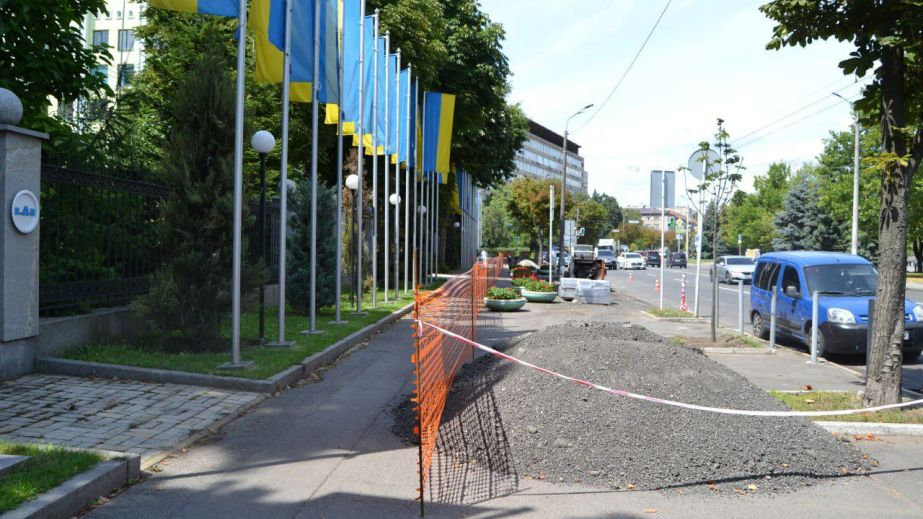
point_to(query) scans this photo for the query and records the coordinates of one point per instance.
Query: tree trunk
(884, 369)
(714, 281)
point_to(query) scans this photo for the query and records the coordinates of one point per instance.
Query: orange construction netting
(437, 358)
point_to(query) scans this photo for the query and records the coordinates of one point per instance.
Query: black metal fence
(99, 244)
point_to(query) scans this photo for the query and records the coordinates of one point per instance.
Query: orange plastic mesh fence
(437, 358)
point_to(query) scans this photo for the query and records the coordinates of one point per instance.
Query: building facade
(540, 157)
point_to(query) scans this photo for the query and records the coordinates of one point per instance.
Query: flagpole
(436, 229)
(407, 182)
(375, 169)
(339, 274)
(386, 155)
(360, 129)
(397, 178)
(312, 306)
(283, 175)
(238, 193)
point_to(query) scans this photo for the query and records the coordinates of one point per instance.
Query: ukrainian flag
(439, 110)
(408, 113)
(229, 8)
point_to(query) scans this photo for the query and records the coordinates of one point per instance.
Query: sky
(707, 59)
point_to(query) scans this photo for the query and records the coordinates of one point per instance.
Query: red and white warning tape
(622, 392)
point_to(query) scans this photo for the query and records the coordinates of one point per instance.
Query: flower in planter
(502, 294)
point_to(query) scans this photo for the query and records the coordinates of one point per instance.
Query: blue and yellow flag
(393, 116)
(350, 23)
(408, 113)
(229, 8)
(267, 22)
(439, 110)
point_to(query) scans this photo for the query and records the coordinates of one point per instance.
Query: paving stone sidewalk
(148, 419)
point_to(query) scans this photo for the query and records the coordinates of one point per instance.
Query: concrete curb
(71, 497)
(739, 351)
(876, 428)
(673, 319)
(273, 384)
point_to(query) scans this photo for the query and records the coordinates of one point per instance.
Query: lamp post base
(312, 332)
(341, 321)
(243, 365)
(358, 314)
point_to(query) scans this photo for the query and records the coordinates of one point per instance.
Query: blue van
(846, 282)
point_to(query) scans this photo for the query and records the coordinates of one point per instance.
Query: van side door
(791, 301)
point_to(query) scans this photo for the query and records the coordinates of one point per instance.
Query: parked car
(652, 258)
(554, 259)
(609, 257)
(631, 260)
(731, 269)
(677, 259)
(845, 284)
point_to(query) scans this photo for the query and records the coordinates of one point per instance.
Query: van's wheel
(759, 329)
(821, 347)
(912, 355)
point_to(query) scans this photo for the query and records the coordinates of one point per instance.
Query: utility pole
(854, 249)
(564, 188)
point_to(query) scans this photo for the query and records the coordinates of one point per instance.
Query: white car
(731, 269)
(631, 260)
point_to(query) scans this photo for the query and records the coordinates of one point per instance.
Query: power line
(627, 70)
(777, 130)
(796, 112)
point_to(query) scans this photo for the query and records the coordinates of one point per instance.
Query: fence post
(772, 318)
(815, 311)
(20, 186)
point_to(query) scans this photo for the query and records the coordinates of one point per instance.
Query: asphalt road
(642, 286)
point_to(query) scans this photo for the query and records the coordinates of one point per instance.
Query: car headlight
(918, 313)
(840, 315)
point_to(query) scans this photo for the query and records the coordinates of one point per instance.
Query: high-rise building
(657, 185)
(540, 157)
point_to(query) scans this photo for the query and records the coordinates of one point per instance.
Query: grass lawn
(669, 312)
(724, 341)
(48, 467)
(147, 353)
(835, 400)
(916, 276)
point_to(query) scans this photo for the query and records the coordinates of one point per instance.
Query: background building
(657, 184)
(540, 157)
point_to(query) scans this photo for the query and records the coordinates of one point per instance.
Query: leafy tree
(751, 215)
(529, 200)
(299, 247)
(191, 295)
(888, 39)
(718, 186)
(613, 210)
(802, 224)
(43, 53)
(591, 215)
(496, 222)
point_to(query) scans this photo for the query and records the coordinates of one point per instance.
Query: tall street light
(855, 179)
(564, 190)
(352, 182)
(263, 142)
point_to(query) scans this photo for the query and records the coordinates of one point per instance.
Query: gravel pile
(558, 431)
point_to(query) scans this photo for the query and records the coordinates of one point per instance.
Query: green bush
(537, 285)
(298, 263)
(502, 294)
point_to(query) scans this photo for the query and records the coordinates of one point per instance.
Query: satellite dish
(699, 160)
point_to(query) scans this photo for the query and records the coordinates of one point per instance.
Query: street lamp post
(855, 179)
(352, 183)
(564, 190)
(263, 142)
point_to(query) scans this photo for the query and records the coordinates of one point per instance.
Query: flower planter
(539, 297)
(504, 305)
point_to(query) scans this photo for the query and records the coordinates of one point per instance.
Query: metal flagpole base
(285, 345)
(358, 314)
(341, 321)
(312, 332)
(243, 365)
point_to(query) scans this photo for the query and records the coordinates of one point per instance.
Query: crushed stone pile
(556, 430)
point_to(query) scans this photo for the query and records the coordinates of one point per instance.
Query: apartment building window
(126, 71)
(126, 39)
(100, 37)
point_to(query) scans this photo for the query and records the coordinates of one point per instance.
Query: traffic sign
(581, 231)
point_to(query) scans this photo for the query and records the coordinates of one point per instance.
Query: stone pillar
(20, 188)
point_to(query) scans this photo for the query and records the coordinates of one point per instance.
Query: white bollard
(815, 310)
(740, 306)
(772, 319)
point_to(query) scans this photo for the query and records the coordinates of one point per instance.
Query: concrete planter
(539, 297)
(505, 305)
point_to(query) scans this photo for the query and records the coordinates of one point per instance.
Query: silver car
(731, 269)
(631, 260)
